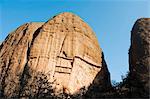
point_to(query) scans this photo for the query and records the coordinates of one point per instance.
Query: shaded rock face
(64, 49)
(139, 56)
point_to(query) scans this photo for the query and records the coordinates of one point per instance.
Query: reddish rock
(64, 49)
(139, 56)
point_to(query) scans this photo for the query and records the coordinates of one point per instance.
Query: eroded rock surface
(139, 57)
(13, 57)
(64, 49)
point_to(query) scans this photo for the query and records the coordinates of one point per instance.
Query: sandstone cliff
(62, 54)
(62, 57)
(139, 57)
(136, 84)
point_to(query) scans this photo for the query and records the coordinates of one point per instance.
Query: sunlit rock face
(139, 56)
(13, 57)
(64, 49)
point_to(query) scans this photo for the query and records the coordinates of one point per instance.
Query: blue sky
(111, 20)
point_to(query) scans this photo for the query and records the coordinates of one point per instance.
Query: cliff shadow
(101, 84)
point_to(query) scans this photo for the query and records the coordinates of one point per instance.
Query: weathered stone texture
(139, 54)
(64, 48)
(13, 56)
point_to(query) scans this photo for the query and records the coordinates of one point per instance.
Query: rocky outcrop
(139, 57)
(13, 57)
(136, 83)
(65, 52)
(61, 58)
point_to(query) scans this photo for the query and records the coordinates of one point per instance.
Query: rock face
(139, 56)
(64, 49)
(13, 57)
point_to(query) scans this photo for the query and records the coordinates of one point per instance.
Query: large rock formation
(13, 57)
(64, 51)
(139, 57)
(136, 84)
